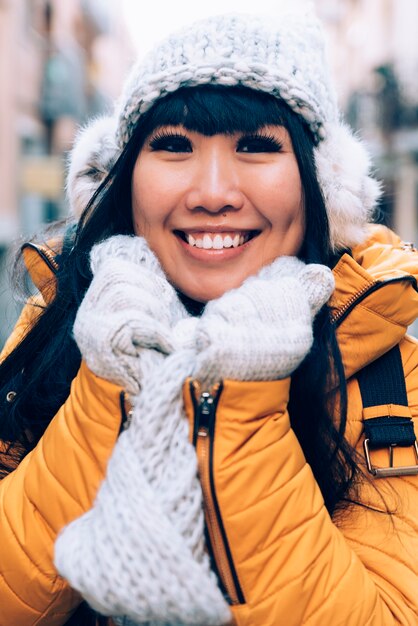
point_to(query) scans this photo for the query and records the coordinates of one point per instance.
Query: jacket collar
(41, 264)
(374, 302)
(375, 299)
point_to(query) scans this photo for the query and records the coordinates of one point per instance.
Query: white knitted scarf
(139, 553)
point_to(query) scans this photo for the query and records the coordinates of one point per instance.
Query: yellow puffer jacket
(283, 561)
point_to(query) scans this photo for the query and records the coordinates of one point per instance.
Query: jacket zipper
(342, 313)
(203, 437)
(45, 254)
(205, 404)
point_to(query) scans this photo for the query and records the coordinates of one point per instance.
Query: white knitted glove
(263, 329)
(128, 306)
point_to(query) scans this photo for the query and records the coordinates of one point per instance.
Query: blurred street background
(62, 61)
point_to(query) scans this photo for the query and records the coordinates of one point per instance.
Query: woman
(197, 283)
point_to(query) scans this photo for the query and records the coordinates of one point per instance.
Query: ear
(93, 156)
(350, 192)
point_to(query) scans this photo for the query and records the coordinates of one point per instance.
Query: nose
(215, 184)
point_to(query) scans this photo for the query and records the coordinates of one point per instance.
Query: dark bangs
(215, 109)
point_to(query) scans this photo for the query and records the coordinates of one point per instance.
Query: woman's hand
(263, 329)
(128, 306)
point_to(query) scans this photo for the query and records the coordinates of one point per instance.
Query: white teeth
(210, 241)
(218, 242)
(207, 242)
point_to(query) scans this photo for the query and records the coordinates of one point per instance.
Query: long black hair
(42, 366)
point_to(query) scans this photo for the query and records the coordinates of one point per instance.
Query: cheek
(147, 207)
(280, 195)
(156, 192)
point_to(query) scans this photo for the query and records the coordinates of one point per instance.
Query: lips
(217, 240)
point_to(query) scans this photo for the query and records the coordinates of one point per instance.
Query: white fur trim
(93, 156)
(343, 168)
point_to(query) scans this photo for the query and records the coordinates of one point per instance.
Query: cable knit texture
(263, 329)
(139, 553)
(283, 55)
(131, 306)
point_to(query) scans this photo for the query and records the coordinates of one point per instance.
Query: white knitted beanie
(282, 55)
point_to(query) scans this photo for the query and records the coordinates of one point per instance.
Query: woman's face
(216, 209)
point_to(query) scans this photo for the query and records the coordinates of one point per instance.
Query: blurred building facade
(60, 62)
(374, 53)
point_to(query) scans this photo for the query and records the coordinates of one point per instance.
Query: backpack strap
(387, 417)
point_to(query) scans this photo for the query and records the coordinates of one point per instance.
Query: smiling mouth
(217, 241)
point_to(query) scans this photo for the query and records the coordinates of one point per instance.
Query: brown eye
(169, 142)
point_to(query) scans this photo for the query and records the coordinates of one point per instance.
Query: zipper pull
(204, 414)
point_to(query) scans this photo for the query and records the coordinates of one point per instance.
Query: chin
(205, 293)
(206, 286)
(203, 297)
